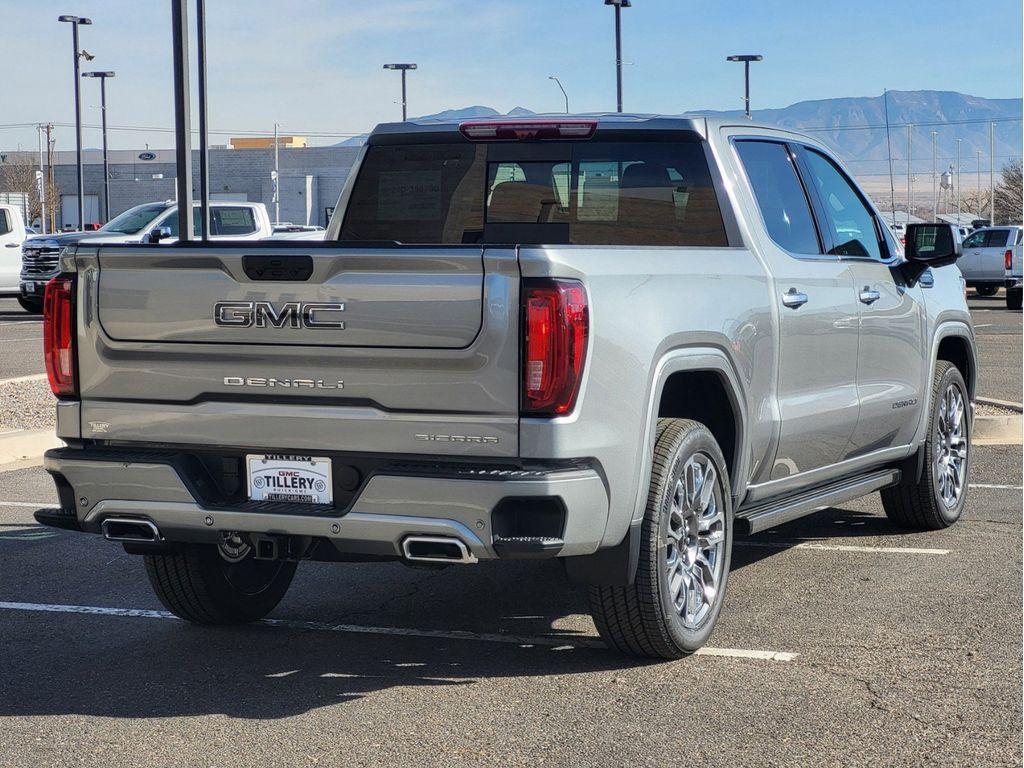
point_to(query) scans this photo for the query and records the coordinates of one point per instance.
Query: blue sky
(315, 65)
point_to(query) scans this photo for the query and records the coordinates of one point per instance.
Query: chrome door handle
(868, 296)
(794, 298)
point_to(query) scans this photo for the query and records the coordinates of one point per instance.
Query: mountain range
(855, 127)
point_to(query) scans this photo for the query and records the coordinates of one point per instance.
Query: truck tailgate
(394, 349)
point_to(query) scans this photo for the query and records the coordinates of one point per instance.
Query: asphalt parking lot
(844, 641)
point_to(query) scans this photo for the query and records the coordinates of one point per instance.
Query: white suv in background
(984, 261)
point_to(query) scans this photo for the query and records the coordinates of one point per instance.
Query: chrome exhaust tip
(436, 549)
(129, 529)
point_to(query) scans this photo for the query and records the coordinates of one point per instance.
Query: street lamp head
(74, 19)
(97, 74)
(620, 3)
(745, 57)
(399, 66)
(86, 55)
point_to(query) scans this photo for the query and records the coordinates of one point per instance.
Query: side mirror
(930, 245)
(159, 233)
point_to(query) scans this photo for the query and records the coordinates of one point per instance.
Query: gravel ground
(26, 405)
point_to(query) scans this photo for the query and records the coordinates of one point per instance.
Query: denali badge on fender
(246, 314)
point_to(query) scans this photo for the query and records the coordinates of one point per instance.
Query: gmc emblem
(263, 314)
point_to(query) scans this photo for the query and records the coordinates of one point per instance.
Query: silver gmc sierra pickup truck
(618, 340)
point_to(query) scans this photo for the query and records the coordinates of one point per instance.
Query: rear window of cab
(565, 193)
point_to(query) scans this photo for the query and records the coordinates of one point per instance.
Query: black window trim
(803, 167)
(787, 145)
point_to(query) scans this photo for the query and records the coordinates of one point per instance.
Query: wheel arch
(953, 341)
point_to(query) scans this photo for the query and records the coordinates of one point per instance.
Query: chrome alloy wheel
(951, 446)
(695, 541)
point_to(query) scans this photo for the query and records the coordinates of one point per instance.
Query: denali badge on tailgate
(292, 314)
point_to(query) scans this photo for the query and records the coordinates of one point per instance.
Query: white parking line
(840, 547)
(317, 626)
(33, 338)
(29, 504)
(1003, 487)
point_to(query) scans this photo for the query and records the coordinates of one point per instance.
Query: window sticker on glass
(413, 195)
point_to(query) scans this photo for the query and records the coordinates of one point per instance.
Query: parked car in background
(12, 235)
(1013, 274)
(984, 261)
(228, 221)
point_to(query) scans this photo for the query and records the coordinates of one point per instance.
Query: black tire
(33, 306)
(198, 585)
(642, 619)
(1013, 296)
(986, 290)
(920, 506)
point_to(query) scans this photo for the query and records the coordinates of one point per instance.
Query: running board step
(775, 512)
(527, 547)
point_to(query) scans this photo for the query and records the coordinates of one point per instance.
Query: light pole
(564, 94)
(403, 68)
(103, 110)
(910, 172)
(980, 211)
(935, 189)
(619, 5)
(746, 58)
(991, 174)
(75, 21)
(958, 143)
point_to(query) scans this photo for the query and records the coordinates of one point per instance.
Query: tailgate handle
(296, 268)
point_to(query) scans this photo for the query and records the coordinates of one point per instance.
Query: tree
(18, 174)
(1010, 195)
(975, 201)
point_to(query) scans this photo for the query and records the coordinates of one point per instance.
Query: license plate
(278, 477)
(30, 287)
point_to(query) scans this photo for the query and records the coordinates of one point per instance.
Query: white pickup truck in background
(12, 235)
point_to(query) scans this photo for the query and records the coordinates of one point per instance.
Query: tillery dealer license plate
(279, 477)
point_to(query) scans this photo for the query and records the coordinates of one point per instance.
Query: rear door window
(997, 238)
(780, 196)
(5, 224)
(587, 193)
(232, 221)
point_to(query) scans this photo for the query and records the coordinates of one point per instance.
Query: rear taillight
(556, 324)
(1008, 259)
(59, 335)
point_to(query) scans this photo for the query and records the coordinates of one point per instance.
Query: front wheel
(197, 584)
(937, 500)
(672, 606)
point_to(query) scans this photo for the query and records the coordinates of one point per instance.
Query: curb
(997, 430)
(1008, 404)
(27, 445)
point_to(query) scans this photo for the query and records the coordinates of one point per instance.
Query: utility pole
(50, 141)
(102, 76)
(958, 143)
(75, 21)
(991, 174)
(42, 181)
(935, 187)
(618, 5)
(979, 183)
(277, 178)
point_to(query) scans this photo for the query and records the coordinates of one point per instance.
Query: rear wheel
(987, 290)
(34, 306)
(199, 585)
(937, 499)
(1013, 296)
(686, 540)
